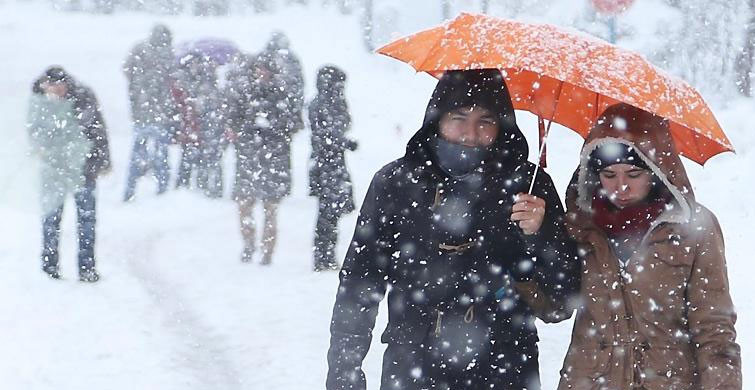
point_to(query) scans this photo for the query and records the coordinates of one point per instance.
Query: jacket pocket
(404, 334)
(458, 341)
(670, 368)
(584, 366)
(673, 250)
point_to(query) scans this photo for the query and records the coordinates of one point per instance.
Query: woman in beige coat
(655, 311)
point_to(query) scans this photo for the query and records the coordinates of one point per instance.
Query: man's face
(262, 74)
(56, 89)
(469, 126)
(625, 184)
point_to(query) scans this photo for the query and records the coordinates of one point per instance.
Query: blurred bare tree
(368, 21)
(745, 56)
(705, 55)
(446, 9)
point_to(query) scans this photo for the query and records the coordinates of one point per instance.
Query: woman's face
(625, 184)
(470, 126)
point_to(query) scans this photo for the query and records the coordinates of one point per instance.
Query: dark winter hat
(612, 153)
(278, 41)
(160, 36)
(328, 76)
(55, 74)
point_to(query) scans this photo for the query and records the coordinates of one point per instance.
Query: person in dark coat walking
(90, 126)
(203, 146)
(291, 78)
(149, 69)
(188, 133)
(329, 180)
(470, 257)
(256, 118)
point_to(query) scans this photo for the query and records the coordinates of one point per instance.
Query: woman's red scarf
(631, 221)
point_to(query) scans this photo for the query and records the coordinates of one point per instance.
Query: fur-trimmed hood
(649, 135)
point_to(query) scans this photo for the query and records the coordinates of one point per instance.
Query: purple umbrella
(218, 50)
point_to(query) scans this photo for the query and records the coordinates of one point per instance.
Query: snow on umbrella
(218, 50)
(565, 76)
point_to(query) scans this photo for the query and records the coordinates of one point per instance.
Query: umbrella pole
(545, 137)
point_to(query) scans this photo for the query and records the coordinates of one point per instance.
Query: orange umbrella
(565, 76)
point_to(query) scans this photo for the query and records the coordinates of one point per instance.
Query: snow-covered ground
(175, 308)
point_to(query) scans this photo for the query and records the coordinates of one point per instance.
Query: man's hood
(330, 79)
(485, 88)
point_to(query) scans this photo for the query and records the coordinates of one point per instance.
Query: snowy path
(200, 353)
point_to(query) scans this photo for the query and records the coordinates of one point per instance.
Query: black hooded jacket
(448, 248)
(329, 120)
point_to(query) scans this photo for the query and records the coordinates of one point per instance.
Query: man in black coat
(470, 257)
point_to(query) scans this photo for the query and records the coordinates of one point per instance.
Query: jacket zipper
(438, 323)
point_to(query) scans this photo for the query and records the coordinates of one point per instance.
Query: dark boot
(326, 234)
(247, 255)
(267, 258)
(51, 271)
(88, 275)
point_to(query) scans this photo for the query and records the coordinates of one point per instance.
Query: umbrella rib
(597, 107)
(696, 142)
(421, 66)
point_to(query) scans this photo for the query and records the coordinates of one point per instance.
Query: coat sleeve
(35, 127)
(344, 124)
(362, 287)
(93, 123)
(234, 101)
(557, 267)
(313, 112)
(315, 169)
(711, 312)
(130, 69)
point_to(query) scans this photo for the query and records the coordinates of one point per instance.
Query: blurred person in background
(202, 134)
(258, 124)
(187, 135)
(68, 135)
(329, 179)
(291, 78)
(149, 69)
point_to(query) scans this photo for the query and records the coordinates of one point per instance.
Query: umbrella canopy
(565, 76)
(218, 50)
